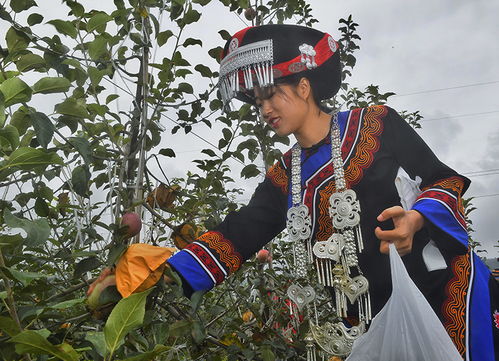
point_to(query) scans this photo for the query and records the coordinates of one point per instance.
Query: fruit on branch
(163, 197)
(250, 13)
(248, 316)
(263, 256)
(102, 295)
(131, 224)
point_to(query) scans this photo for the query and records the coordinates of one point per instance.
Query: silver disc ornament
(345, 209)
(299, 223)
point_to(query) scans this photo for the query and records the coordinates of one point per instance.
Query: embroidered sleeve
(442, 188)
(218, 253)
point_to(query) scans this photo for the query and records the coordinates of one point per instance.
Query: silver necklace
(334, 259)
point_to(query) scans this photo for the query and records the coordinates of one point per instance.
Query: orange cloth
(141, 267)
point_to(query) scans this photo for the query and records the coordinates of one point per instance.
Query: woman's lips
(274, 122)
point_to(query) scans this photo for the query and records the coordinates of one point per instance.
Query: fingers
(395, 211)
(403, 247)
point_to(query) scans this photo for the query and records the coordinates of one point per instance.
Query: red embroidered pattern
(447, 199)
(208, 262)
(224, 248)
(278, 177)
(496, 319)
(454, 185)
(364, 145)
(454, 307)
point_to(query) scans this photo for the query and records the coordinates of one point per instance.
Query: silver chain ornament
(332, 258)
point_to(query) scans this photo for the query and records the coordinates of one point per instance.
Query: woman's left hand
(406, 223)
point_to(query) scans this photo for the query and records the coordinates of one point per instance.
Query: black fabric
(326, 79)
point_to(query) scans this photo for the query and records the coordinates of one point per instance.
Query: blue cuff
(443, 218)
(191, 271)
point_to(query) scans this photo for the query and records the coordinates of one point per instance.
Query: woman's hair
(294, 80)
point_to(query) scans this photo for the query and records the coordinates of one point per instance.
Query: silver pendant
(301, 296)
(331, 248)
(335, 338)
(299, 223)
(345, 209)
(353, 288)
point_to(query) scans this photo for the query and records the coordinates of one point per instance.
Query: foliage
(73, 161)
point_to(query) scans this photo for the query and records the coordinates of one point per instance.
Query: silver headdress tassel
(252, 60)
(334, 259)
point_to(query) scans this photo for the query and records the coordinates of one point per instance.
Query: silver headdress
(255, 58)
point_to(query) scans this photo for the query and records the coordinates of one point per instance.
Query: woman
(335, 190)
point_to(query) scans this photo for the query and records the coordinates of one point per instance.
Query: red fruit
(132, 222)
(250, 14)
(263, 256)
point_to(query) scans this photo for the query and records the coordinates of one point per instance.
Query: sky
(443, 51)
(438, 57)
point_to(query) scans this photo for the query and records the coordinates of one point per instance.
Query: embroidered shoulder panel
(448, 191)
(223, 249)
(278, 177)
(360, 142)
(454, 307)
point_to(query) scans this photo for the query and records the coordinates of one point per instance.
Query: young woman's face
(282, 108)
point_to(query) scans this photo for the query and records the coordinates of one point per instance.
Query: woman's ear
(304, 88)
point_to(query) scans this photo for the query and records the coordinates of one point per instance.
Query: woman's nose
(266, 108)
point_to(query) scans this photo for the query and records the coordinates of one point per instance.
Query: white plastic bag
(406, 329)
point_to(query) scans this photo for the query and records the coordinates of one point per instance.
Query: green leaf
(50, 85)
(180, 328)
(186, 88)
(2, 110)
(83, 147)
(34, 19)
(201, 2)
(79, 179)
(267, 354)
(73, 107)
(21, 5)
(32, 342)
(95, 75)
(250, 171)
(9, 136)
(98, 22)
(192, 41)
(37, 231)
(97, 48)
(21, 119)
(64, 27)
(127, 315)
(191, 16)
(41, 207)
(198, 332)
(7, 240)
(225, 34)
(27, 158)
(24, 277)
(196, 299)
(44, 129)
(16, 40)
(204, 70)
(97, 339)
(15, 91)
(163, 37)
(29, 62)
(149, 355)
(111, 97)
(85, 265)
(3, 295)
(68, 304)
(167, 152)
(7, 324)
